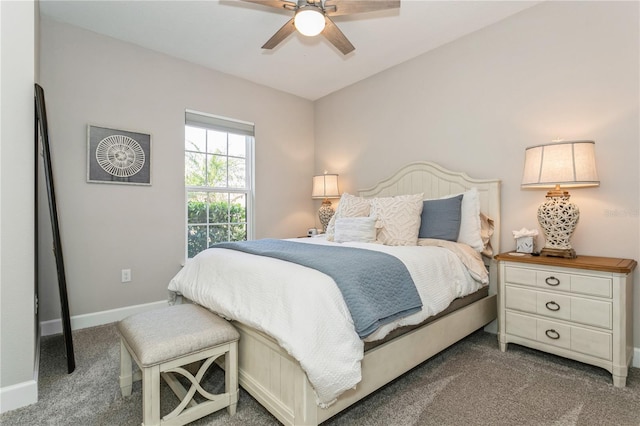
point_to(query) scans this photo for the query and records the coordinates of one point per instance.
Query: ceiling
(226, 36)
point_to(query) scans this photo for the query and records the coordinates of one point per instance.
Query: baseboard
(78, 322)
(18, 395)
(22, 394)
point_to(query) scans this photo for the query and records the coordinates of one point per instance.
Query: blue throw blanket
(376, 287)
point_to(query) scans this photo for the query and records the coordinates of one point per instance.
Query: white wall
(559, 69)
(89, 78)
(17, 278)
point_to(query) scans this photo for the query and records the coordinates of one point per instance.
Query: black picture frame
(42, 139)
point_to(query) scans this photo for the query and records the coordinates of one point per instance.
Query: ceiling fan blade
(348, 7)
(335, 36)
(280, 35)
(279, 4)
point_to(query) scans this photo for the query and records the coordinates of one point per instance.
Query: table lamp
(559, 165)
(324, 187)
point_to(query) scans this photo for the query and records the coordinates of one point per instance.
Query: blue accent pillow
(440, 219)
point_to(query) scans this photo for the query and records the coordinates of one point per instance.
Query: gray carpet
(471, 383)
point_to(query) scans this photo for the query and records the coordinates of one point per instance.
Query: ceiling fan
(312, 17)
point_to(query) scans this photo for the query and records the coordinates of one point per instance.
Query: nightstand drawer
(552, 280)
(559, 306)
(577, 339)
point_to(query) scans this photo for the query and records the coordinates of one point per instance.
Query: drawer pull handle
(552, 281)
(552, 334)
(552, 306)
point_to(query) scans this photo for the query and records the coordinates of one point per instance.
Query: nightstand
(577, 308)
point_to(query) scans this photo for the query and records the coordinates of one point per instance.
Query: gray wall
(17, 279)
(559, 69)
(89, 78)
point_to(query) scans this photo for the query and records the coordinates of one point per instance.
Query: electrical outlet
(126, 275)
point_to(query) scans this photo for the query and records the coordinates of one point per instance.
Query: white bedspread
(303, 309)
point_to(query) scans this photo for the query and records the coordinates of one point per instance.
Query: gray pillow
(440, 219)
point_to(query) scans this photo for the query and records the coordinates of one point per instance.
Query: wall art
(118, 156)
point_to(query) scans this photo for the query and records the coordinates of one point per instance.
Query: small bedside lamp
(324, 187)
(559, 164)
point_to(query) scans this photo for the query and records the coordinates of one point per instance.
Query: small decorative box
(524, 245)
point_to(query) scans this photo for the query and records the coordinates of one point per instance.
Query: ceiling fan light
(309, 21)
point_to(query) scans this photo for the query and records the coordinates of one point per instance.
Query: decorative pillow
(486, 231)
(349, 206)
(440, 219)
(470, 219)
(359, 229)
(398, 219)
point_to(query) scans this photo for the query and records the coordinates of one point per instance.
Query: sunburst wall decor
(118, 156)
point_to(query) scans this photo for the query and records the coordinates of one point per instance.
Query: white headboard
(435, 182)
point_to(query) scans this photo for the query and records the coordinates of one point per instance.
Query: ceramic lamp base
(558, 219)
(325, 213)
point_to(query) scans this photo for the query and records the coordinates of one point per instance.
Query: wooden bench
(162, 342)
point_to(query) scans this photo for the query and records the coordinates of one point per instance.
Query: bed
(279, 382)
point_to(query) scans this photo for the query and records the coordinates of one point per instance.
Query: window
(218, 164)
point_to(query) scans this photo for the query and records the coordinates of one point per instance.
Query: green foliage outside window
(227, 222)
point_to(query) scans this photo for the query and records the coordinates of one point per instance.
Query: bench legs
(151, 396)
(231, 377)
(126, 370)
(188, 410)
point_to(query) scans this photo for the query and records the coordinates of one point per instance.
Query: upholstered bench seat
(162, 342)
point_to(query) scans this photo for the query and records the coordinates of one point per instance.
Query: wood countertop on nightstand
(592, 263)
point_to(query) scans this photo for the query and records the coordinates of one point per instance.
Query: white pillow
(470, 226)
(349, 206)
(398, 219)
(359, 229)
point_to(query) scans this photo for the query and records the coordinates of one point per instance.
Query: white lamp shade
(568, 164)
(325, 186)
(309, 21)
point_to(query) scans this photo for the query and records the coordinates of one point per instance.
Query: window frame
(229, 126)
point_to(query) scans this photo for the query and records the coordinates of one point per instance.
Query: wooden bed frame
(277, 381)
